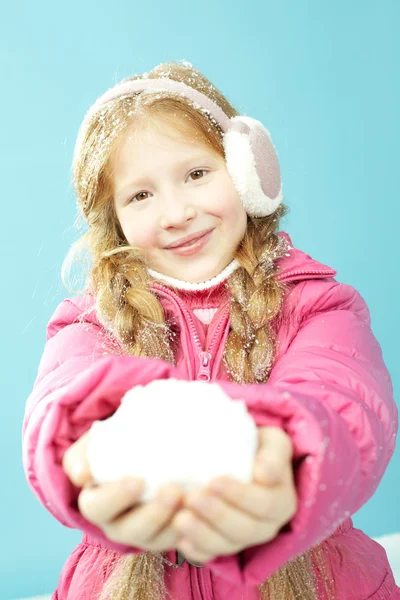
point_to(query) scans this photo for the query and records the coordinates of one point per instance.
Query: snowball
(174, 431)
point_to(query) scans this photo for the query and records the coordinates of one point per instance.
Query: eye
(135, 200)
(198, 171)
(134, 197)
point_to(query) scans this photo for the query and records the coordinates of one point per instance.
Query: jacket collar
(297, 264)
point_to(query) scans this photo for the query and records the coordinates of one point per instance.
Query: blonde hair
(126, 306)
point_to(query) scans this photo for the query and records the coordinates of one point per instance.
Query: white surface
(390, 542)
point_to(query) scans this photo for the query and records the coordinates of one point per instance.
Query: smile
(191, 247)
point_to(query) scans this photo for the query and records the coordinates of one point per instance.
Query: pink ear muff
(253, 165)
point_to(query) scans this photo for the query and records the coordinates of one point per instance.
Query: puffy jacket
(329, 389)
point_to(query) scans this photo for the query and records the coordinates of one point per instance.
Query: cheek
(140, 236)
(238, 223)
(235, 215)
(231, 208)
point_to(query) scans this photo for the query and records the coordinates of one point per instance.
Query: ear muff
(252, 163)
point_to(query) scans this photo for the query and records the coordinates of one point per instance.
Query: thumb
(267, 465)
(75, 462)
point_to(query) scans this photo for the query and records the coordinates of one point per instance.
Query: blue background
(322, 77)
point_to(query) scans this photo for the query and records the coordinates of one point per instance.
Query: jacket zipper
(205, 356)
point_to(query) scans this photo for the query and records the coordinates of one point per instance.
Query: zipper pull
(204, 371)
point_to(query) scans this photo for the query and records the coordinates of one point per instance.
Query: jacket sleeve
(81, 378)
(332, 394)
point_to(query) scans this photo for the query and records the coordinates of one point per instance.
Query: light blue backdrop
(322, 77)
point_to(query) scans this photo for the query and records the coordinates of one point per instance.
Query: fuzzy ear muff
(253, 165)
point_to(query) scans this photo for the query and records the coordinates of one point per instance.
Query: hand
(115, 506)
(241, 515)
(252, 512)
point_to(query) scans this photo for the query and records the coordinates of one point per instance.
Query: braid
(256, 301)
(126, 305)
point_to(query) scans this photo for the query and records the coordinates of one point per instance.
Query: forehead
(147, 135)
(145, 149)
(161, 136)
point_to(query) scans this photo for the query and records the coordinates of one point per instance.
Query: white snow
(174, 414)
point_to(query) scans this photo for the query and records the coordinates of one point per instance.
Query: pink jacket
(329, 390)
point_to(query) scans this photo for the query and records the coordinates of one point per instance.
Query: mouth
(195, 245)
(189, 240)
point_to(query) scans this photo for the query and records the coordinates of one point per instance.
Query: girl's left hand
(226, 521)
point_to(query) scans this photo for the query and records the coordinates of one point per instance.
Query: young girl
(192, 279)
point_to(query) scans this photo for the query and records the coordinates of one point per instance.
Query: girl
(191, 279)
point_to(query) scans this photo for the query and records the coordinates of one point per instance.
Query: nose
(176, 209)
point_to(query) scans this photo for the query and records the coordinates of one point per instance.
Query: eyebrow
(135, 182)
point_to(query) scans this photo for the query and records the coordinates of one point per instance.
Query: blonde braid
(256, 301)
(127, 307)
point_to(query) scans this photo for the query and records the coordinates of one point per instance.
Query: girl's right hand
(116, 509)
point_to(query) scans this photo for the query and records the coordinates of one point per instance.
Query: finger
(75, 463)
(276, 438)
(145, 522)
(103, 503)
(199, 540)
(269, 471)
(193, 554)
(257, 500)
(232, 523)
(273, 459)
(166, 537)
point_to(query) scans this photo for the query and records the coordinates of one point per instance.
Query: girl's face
(165, 189)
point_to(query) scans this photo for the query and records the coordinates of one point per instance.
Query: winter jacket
(329, 390)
